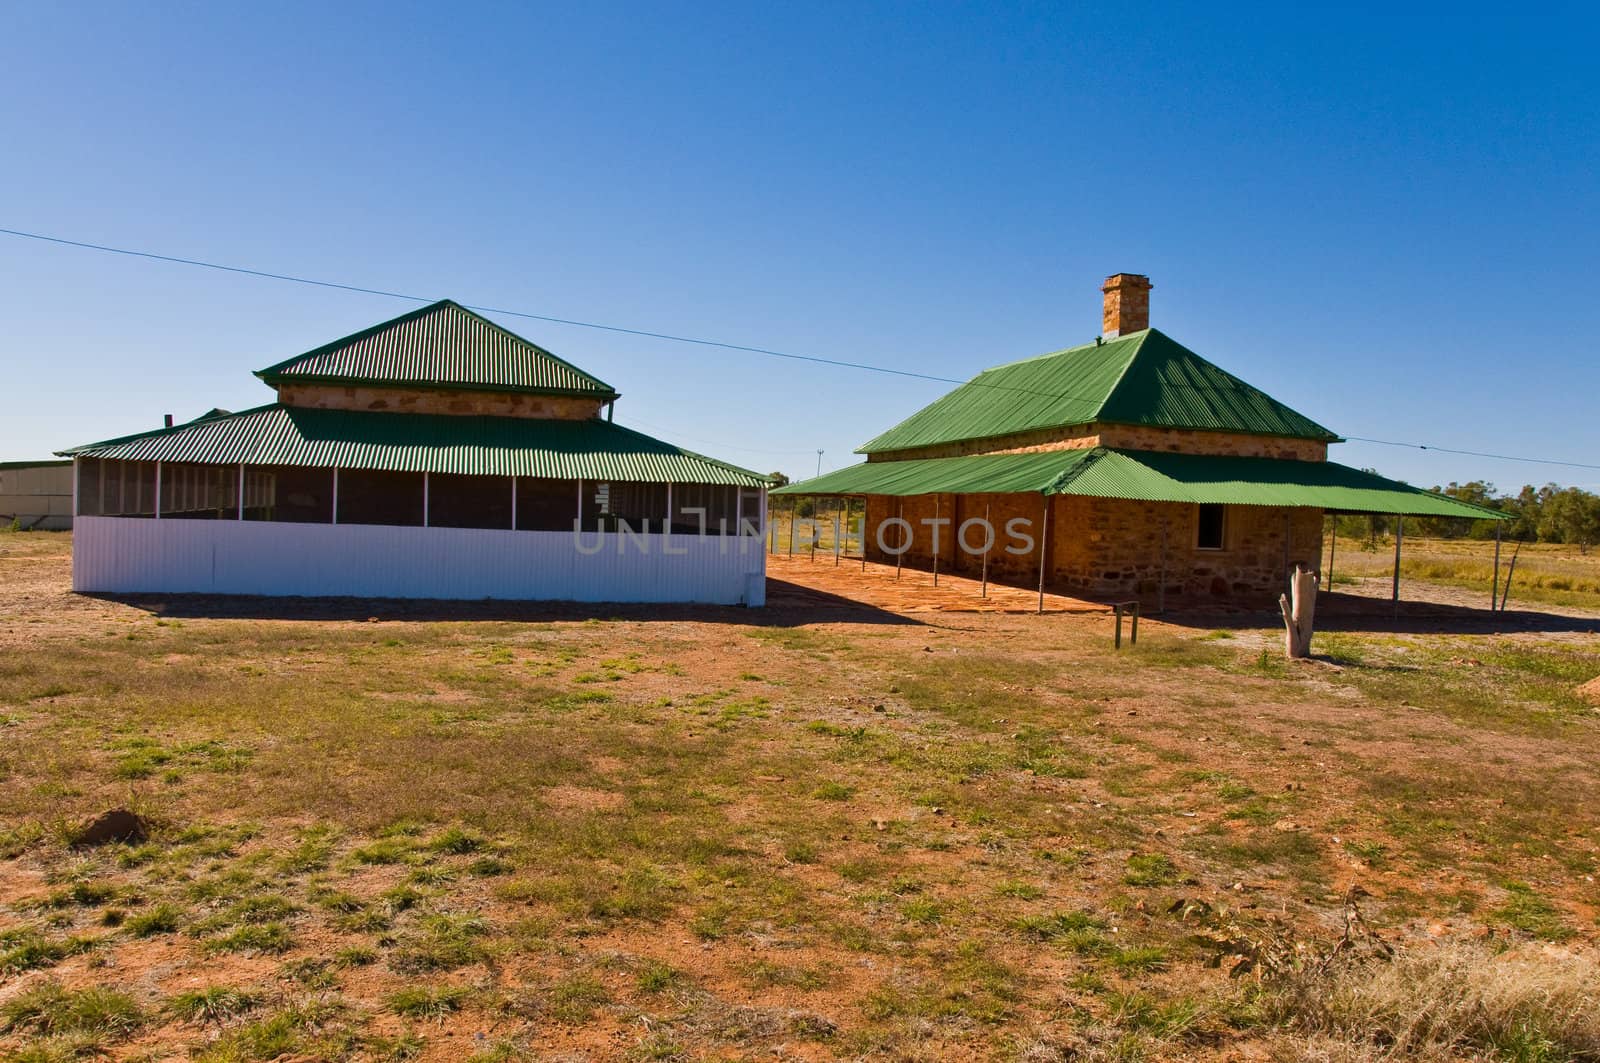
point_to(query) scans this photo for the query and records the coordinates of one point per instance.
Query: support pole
(158, 490)
(1399, 535)
(1494, 586)
(335, 495)
(425, 500)
(241, 490)
(1333, 545)
(1044, 539)
(863, 535)
(899, 559)
(836, 532)
(1161, 590)
(794, 507)
(936, 539)
(1288, 530)
(984, 590)
(513, 503)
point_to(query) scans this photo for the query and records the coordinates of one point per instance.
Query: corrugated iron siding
(489, 446)
(1146, 378)
(121, 555)
(444, 345)
(1146, 477)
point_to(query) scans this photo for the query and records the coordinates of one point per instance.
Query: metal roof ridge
(199, 422)
(1105, 400)
(276, 370)
(359, 334)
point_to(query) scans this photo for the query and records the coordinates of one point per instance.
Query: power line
(644, 333)
(481, 309)
(1471, 453)
(715, 443)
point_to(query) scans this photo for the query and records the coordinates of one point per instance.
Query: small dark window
(469, 501)
(372, 496)
(1212, 527)
(293, 494)
(545, 504)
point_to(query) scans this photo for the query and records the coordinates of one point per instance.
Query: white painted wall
(132, 555)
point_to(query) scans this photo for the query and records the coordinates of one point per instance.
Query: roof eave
(273, 380)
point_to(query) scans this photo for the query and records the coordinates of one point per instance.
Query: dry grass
(1448, 1001)
(1547, 573)
(611, 837)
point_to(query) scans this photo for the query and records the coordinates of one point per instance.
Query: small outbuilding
(436, 455)
(36, 495)
(1127, 467)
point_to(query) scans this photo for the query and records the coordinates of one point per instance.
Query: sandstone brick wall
(1126, 437)
(1110, 547)
(438, 400)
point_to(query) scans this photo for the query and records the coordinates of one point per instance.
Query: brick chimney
(1127, 306)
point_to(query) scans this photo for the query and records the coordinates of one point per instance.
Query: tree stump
(1299, 612)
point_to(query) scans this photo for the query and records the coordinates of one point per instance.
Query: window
(607, 505)
(719, 504)
(546, 505)
(371, 496)
(116, 488)
(199, 492)
(291, 493)
(469, 501)
(1212, 527)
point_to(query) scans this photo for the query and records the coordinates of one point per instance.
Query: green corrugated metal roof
(490, 446)
(1147, 477)
(1144, 378)
(444, 345)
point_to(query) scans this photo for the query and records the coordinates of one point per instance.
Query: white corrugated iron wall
(130, 555)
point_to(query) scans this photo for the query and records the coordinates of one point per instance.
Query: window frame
(1200, 523)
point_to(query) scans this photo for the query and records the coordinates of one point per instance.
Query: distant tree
(1478, 493)
(1572, 516)
(778, 479)
(1526, 509)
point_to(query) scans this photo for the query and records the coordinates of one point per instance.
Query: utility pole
(819, 463)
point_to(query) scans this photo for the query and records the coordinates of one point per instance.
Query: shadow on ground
(788, 605)
(1358, 613)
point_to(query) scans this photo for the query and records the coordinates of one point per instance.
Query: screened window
(289, 493)
(116, 488)
(546, 505)
(710, 509)
(470, 501)
(1212, 527)
(609, 504)
(371, 496)
(199, 492)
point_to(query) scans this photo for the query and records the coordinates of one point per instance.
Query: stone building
(1131, 466)
(436, 455)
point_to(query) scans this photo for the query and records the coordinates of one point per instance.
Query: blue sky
(1391, 222)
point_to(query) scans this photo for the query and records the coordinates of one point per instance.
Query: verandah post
(1494, 586)
(1333, 544)
(1161, 588)
(1044, 539)
(899, 558)
(989, 545)
(936, 539)
(1399, 534)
